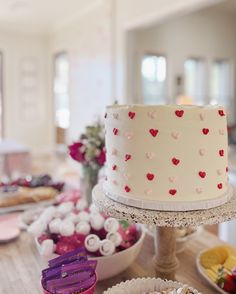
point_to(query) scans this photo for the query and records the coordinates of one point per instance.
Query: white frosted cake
(167, 157)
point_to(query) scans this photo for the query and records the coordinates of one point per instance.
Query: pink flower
(76, 153)
(102, 157)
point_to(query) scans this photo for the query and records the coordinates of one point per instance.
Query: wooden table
(20, 265)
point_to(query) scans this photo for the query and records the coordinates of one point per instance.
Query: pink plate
(9, 229)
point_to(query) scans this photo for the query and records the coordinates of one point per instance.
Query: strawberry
(228, 284)
(64, 247)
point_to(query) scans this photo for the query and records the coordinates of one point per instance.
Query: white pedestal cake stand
(165, 260)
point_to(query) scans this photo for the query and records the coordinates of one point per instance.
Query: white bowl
(110, 266)
(145, 285)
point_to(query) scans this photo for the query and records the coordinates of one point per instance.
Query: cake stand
(165, 260)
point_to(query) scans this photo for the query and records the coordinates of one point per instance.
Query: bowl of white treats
(151, 286)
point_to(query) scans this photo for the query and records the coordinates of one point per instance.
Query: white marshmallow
(47, 247)
(93, 209)
(67, 228)
(114, 237)
(37, 228)
(97, 221)
(106, 247)
(83, 216)
(111, 225)
(54, 225)
(48, 214)
(83, 228)
(91, 243)
(71, 217)
(65, 208)
(81, 204)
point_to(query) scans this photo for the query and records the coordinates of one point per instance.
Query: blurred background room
(62, 62)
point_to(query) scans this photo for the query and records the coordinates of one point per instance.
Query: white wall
(31, 126)
(97, 44)
(88, 43)
(132, 14)
(208, 34)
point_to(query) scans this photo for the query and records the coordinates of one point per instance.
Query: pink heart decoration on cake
(202, 174)
(115, 131)
(202, 151)
(126, 175)
(114, 167)
(127, 157)
(150, 176)
(219, 172)
(114, 182)
(175, 135)
(150, 155)
(172, 179)
(148, 191)
(202, 116)
(152, 114)
(131, 114)
(221, 152)
(153, 132)
(205, 131)
(175, 161)
(179, 113)
(221, 112)
(199, 190)
(114, 151)
(221, 132)
(220, 186)
(128, 135)
(115, 115)
(172, 192)
(127, 189)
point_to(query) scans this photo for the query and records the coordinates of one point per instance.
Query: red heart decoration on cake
(220, 186)
(114, 167)
(221, 112)
(127, 157)
(172, 192)
(179, 113)
(150, 176)
(175, 161)
(131, 114)
(205, 131)
(115, 131)
(227, 169)
(221, 152)
(127, 189)
(153, 132)
(202, 174)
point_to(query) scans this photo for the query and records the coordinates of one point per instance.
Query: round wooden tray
(210, 216)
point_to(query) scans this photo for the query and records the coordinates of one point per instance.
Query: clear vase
(89, 180)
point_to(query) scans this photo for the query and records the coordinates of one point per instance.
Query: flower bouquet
(89, 150)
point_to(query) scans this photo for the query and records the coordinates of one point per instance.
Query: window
(154, 79)
(195, 80)
(1, 96)
(220, 83)
(61, 96)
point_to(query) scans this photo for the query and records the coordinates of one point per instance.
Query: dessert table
(20, 265)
